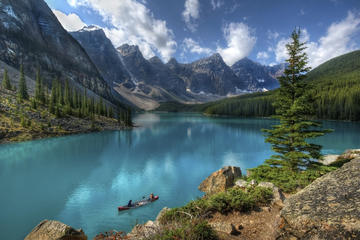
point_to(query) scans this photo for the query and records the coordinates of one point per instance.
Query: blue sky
(191, 29)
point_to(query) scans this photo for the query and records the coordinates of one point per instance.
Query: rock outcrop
(329, 208)
(144, 231)
(54, 230)
(346, 156)
(350, 154)
(220, 180)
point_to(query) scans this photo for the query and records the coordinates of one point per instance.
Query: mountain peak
(172, 61)
(216, 56)
(155, 59)
(127, 49)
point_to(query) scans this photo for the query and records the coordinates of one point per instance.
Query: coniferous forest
(335, 88)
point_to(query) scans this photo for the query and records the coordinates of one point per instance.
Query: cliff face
(102, 53)
(329, 208)
(256, 75)
(212, 75)
(31, 34)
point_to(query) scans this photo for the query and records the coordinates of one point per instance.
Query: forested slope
(335, 86)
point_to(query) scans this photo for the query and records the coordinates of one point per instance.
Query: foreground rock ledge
(54, 230)
(329, 208)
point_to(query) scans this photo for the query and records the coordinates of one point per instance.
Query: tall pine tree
(22, 91)
(294, 109)
(6, 81)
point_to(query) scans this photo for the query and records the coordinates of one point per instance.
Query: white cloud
(240, 41)
(70, 22)
(337, 41)
(194, 47)
(216, 4)
(262, 55)
(133, 23)
(191, 13)
(272, 35)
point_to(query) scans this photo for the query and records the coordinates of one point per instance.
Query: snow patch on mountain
(9, 11)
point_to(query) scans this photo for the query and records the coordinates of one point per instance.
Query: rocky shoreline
(328, 208)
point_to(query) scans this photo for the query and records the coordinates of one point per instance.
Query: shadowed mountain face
(212, 75)
(31, 34)
(257, 76)
(102, 53)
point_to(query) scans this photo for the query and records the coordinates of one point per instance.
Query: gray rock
(329, 208)
(161, 213)
(54, 230)
(144, 231)
(350, 154)
(241, 183)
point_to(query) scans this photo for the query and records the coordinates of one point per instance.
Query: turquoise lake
(80, 180)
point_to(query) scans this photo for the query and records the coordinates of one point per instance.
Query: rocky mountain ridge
(151, 81)
(30, 34)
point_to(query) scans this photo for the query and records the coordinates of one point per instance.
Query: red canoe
(138, 204)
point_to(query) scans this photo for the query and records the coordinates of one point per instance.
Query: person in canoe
(151, 197)
(130, 203)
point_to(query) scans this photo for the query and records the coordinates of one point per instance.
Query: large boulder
(54, 230)
(329, 208)
(220, 180)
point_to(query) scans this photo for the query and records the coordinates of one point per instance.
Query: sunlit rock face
(329, 208)
(31, 34)
(54, 230)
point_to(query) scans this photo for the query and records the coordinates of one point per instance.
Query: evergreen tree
(67, 92)
(111, 112)
(6, 81)
(22, 91)
(59, 94)
(128, 118)
(294, 110)
(37, 85)
(53, 97)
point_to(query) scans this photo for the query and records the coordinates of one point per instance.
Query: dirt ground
(262, 224)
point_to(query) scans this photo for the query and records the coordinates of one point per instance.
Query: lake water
(80, 180)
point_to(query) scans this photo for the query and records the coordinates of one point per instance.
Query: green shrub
(193, 230)
(261, 195)
(287, 180)
(221, 202)
(202, 230)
